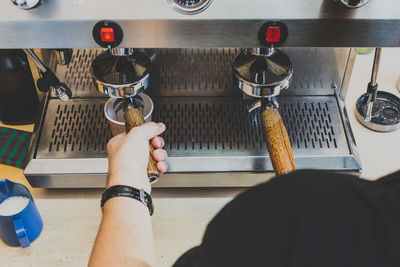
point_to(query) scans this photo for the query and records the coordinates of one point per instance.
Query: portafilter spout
(264, 75)
(125, 77)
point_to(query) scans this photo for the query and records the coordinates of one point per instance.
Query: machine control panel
(190, 7)
(107, 33)
(273, 33)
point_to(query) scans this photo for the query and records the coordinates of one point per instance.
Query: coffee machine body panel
(311, 23)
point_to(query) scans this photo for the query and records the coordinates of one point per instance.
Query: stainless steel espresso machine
(214, 131)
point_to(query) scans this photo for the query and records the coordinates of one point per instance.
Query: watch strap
(128, 191)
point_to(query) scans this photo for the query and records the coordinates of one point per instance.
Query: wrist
(120, 203)
(123, 191)
(139, 181)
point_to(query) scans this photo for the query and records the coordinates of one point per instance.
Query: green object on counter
(14, 146)
(365, 50)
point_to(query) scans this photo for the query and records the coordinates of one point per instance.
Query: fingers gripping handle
(134, 118)
(278, 143)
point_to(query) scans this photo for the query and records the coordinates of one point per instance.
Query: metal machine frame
(320, 32)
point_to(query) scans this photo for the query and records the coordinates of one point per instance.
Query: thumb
(148, 130)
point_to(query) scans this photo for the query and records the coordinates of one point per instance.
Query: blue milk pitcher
(20, 223)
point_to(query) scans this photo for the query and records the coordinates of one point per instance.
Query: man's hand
(128, 156)
(125, 236)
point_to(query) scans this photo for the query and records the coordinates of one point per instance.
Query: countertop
(71, 217)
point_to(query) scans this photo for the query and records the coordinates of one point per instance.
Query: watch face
(190, 6)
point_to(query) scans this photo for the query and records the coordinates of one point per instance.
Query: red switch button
(273, 34)
(107, 35)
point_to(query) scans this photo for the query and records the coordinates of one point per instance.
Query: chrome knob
(354, 3)
(25, 4)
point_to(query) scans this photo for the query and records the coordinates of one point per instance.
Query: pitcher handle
(21, 233)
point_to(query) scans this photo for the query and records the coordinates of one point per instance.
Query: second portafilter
(263, 73)
(125, 76)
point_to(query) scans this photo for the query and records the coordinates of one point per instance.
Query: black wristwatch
(127, 191)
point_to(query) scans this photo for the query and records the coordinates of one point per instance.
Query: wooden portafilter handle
(133, 118)
(278, 143)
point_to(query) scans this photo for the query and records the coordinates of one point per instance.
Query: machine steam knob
(43, 85)
(25, 4)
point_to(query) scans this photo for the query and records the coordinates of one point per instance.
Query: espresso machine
(215, 120)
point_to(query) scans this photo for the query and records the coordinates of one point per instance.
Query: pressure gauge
(25, 4)
(189, 7)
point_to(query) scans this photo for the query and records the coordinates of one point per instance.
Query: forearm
(125, 236)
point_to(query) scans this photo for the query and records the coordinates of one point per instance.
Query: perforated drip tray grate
(74, 129)
(197, 127)
(77, 75)
(223, 127)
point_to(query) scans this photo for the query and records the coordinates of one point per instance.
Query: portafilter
(263, 75)
(124, 76)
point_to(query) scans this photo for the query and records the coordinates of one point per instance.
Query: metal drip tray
(205, 134)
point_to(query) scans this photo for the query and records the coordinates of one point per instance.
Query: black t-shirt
(307, 219)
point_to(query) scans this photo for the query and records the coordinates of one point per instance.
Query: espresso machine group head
(263, 73)
(124, 73)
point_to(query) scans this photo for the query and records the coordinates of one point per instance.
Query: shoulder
(293, 196)
(265, 222)
(303, 184)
